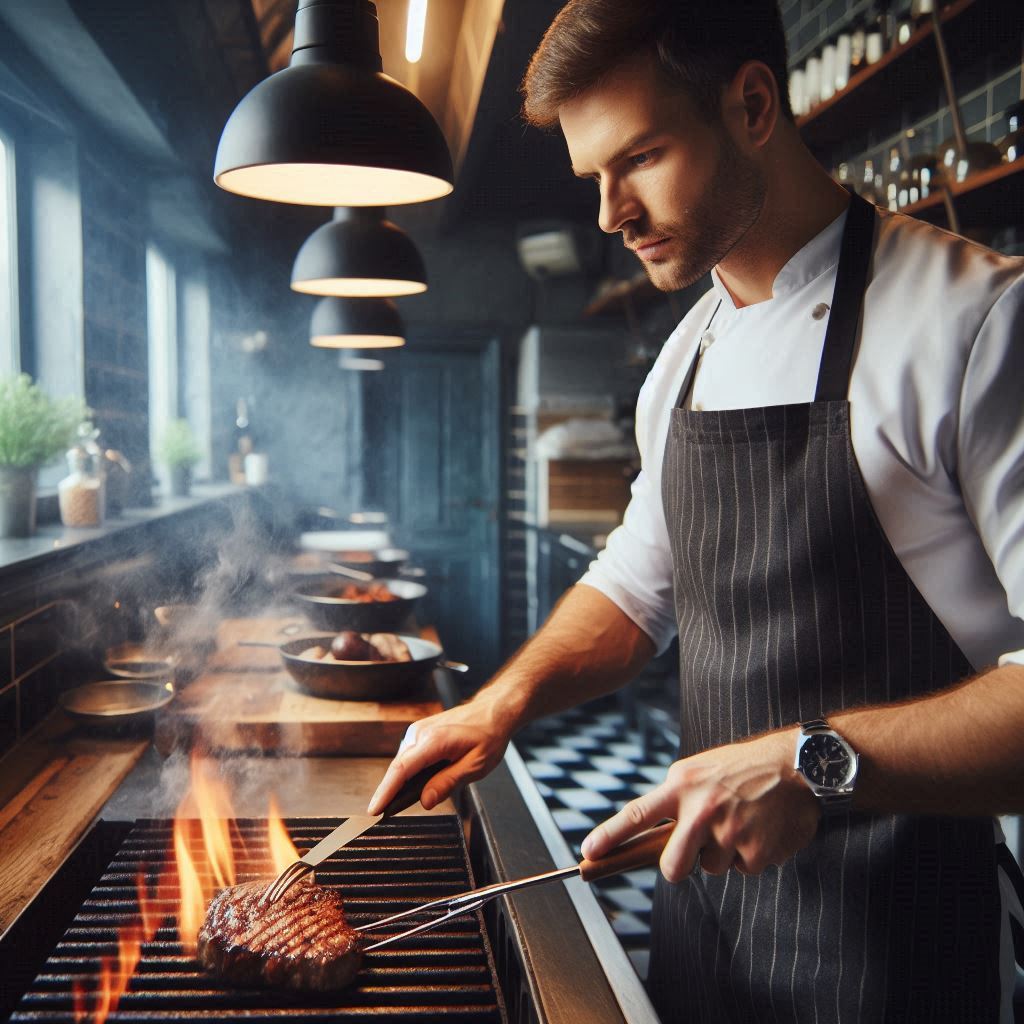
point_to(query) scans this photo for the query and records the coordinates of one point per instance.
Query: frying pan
(359, 680)
(340, 613)
(117, 703)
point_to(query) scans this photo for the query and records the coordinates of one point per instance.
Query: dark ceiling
(189, 62)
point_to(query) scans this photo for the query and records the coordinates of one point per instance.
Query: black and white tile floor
(588, 763)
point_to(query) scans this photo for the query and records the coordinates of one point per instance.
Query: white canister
(812, 82)
(796, 92)
(828, 70)
(844, 54)
(257, 468)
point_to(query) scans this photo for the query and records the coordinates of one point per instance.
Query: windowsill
(53, 541)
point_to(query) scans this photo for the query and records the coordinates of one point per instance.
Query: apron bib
(791, 603)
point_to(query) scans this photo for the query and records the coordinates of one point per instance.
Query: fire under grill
(448, 973)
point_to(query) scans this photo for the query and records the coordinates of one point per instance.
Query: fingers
(470, 752)
(411, 758)
(638, 815)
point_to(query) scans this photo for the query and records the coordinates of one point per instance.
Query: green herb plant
(34, 428)
(178, 445)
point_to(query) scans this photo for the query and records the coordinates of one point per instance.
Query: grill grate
(395, 866)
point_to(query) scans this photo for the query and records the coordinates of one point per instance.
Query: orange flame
(282, 849)
(215, 815)
(191, 898)
(203, 863)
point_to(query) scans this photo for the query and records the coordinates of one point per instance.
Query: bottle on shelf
(812, 82)
(243, 442)
(886, 22)
(796, 92)
(844, 47)
(80, 493)
(828, 70)
(868, 189)
(874, 44)
(858, 46)
(1011, 145)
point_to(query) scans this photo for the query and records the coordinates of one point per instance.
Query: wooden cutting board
(264, 712)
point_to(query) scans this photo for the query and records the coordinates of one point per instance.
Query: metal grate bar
(401, 864)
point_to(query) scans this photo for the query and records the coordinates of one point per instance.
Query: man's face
(678, 188)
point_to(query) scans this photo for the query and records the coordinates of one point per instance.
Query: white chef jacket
(937, 420)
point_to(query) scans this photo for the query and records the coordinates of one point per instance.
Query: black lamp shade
(331, 129)
(356, 323)
(359, 254)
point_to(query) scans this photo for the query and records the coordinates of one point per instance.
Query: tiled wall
(58, 617)
(985, 88)
(114, 233)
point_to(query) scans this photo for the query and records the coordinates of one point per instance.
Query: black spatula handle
(411, 789)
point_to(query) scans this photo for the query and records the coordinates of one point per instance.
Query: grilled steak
(302, 941)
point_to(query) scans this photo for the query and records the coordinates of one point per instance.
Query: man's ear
(750, 104)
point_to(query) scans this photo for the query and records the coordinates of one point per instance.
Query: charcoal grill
(447, 974)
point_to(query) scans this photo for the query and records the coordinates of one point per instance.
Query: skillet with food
(354, 678)
(333, 602)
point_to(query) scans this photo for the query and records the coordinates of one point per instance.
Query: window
(194, 309)
(161, 296)
(9, 343)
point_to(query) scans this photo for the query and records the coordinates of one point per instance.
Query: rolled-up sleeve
(991, 445)
(635, 568)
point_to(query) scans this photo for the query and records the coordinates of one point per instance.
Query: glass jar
(80, 494)
(1011, 145)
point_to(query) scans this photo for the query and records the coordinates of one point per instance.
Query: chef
(830, 516)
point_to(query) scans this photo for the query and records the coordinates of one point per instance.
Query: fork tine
(285, 880)
(465, 908)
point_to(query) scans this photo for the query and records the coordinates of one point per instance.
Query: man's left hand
(740, 805)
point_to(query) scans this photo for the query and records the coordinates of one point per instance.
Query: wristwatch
(828, 764)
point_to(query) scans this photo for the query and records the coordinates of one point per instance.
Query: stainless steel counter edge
(626, 984)
(534, 915)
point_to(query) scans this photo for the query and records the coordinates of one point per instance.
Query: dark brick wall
(114, 236)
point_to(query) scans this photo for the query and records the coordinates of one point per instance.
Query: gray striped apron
(791, 603)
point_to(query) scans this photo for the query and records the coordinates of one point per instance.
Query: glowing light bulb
(414, 30)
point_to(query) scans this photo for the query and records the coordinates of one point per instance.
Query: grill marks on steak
(301, 942)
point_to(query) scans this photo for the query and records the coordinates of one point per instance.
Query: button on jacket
(937, 420)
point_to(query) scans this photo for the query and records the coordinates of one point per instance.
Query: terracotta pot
(18, 500)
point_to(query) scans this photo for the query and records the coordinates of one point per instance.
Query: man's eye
(641, 159)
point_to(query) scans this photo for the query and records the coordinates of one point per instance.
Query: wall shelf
(992, 198)
(910, 71)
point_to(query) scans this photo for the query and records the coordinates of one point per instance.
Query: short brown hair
(699, 45)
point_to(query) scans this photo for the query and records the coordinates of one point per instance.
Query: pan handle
(258, 643)
(355, 574)
(454, 666)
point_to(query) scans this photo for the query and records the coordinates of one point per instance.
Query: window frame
(10, 357)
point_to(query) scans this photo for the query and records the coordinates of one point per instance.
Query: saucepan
(359, 680)
(319, 600)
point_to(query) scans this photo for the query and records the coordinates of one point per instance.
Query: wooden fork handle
(639, 852)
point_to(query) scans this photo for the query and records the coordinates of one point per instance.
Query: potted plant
(34, 430)
(179, 451)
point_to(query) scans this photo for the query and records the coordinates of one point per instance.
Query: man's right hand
(472, 737)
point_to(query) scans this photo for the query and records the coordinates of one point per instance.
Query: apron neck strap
(847, 302)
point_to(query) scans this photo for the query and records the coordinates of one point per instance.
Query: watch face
(825, 761)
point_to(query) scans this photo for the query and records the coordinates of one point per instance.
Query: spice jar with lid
(80, 494)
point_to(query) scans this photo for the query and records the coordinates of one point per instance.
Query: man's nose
(618, 207)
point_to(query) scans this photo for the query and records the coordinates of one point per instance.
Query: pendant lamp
(359, 253)
(356, 323)
(331, 129)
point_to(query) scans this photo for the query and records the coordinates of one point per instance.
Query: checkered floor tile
(588, 763)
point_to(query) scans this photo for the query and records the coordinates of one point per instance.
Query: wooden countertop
(51, 788)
